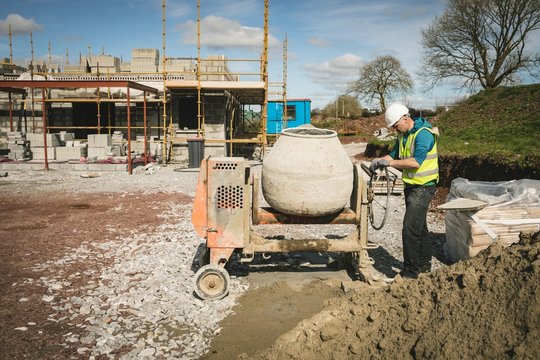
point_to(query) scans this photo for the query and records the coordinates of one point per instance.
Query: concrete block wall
(182, 65)
(105, 61)
(65, 137)
(36, 140)
(214, 129)
(215, 150)
(144, 60)
(38, 153)
(100, 147)
(60, 114)
(99, 140)
(125, 66)
(143, 68)
(137, 119)
(214, 109)
(66, 153)
(76, 69)
(97, 153)
(154, 148)
(16, 116)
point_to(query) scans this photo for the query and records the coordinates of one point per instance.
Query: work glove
(377, 164)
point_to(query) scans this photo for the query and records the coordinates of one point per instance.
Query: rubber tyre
(212, 282)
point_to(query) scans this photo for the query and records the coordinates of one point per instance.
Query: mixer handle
(366, 169)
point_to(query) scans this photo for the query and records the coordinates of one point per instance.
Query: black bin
(195, 151)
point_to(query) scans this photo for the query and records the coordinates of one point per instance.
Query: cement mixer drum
(307, 173)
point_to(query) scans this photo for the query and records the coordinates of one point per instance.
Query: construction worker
(415, 154)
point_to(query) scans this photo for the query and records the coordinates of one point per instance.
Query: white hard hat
(395, 112)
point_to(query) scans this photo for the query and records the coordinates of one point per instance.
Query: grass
(501, 123)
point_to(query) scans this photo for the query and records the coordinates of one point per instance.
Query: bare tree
(482, 42)
(382, 79)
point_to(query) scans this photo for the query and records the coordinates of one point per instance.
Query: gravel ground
(142, 306)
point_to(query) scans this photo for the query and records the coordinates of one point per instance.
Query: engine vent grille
(225, 166)
(230, 197)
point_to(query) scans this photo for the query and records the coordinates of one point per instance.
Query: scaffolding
(200, 77)
(17, 86)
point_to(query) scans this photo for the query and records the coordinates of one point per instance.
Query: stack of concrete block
(215, 68)
(100, 147)
(154, 146)
(73, 150)
(19, 146)
(107, 64)
(115, 151)
(117, 137)
(37, 145)
(65, 137)
(118, 146)
(144, 60)
(97, 146)
(186, 67)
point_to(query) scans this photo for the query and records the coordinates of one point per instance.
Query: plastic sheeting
(512, 207)
(504, 193)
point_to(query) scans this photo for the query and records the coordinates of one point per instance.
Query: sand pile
(487, 307)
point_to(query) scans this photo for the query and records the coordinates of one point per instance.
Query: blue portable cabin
(298, 113)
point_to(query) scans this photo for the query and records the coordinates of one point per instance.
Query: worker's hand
(377, 164)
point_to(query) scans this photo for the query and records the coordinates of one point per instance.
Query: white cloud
(178, 9)
(218, 32)
(318, 42)
(19, 25)
(336, 73)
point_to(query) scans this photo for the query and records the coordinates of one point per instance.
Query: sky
(328, 40)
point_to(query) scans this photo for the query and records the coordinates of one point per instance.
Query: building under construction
(152, 106)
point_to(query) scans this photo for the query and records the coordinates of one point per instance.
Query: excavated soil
(487, 307)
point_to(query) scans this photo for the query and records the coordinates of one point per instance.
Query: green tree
(382, 79)
(482, 42)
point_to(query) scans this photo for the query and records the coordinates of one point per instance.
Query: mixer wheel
(204, 256)
(212, 282)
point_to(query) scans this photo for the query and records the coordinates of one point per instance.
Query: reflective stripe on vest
(428, 170)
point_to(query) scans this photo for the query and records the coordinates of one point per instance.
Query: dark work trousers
(415, 234)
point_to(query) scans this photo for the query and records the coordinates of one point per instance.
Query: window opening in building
(291, 112)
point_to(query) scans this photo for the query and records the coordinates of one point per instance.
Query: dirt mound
(359, 130)
(487, 307)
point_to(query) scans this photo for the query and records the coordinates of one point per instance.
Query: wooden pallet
(470, 231)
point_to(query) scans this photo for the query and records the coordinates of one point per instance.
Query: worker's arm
(423, 144)
(409, 163)
(387, 160)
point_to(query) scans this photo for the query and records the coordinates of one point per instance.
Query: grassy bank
(502, 124)
(499, 125)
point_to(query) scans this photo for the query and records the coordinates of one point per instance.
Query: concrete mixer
(307, 178)
(227, 210)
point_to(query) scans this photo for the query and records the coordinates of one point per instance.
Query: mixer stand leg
(361, 264)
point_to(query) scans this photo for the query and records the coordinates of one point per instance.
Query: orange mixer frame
(227, 198)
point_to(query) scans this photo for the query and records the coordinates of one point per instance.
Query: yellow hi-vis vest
(428, 170)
